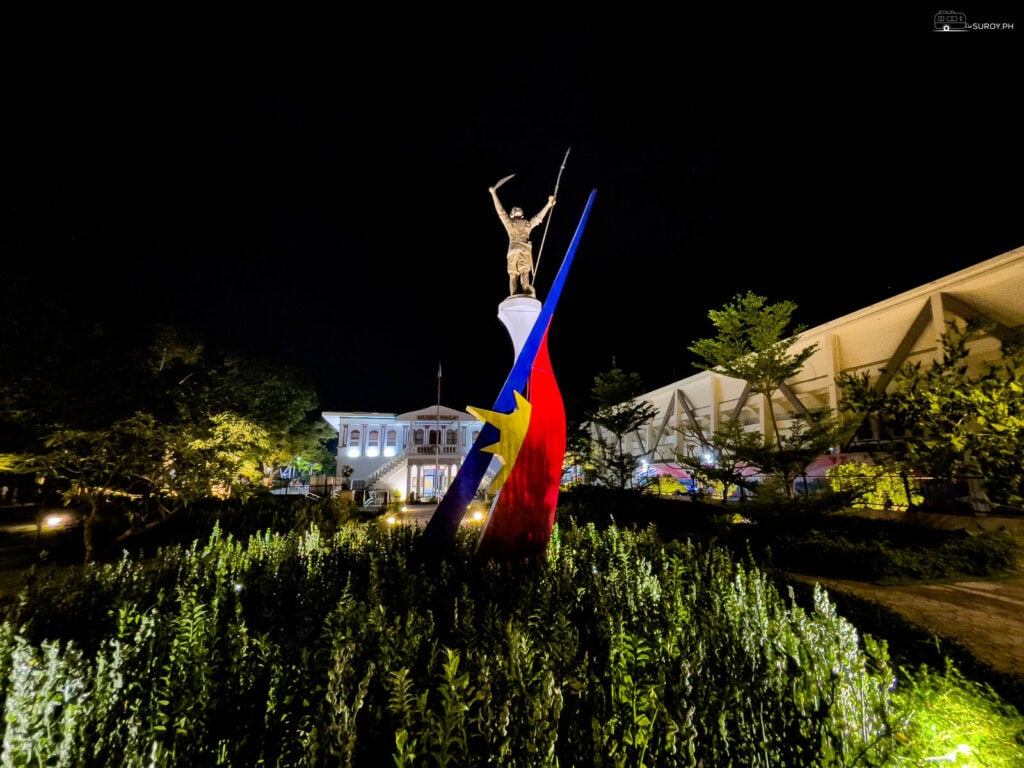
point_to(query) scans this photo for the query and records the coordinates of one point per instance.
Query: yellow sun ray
(512, 429)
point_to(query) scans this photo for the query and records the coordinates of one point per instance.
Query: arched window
(435, 437)
(353, 437)
(450, 438)
(374, 440)
(417, 437)
(392, 438)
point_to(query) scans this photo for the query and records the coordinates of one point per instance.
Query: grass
(958, 722)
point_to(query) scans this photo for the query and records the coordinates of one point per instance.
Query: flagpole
(437, 445)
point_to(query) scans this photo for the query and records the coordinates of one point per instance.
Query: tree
(250, 417)
(787, 459)
(94, 467)
(946, 420)
(68, 389)
(719, 458)
(872, 485)
(752, 345)
(56, 373)
(617, 414)
(205, 424)
(578, 463)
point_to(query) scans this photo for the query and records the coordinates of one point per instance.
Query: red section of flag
(523, 517)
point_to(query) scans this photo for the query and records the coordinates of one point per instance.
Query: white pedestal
(518, 314)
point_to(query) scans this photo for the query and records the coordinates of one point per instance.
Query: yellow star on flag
(512, 428)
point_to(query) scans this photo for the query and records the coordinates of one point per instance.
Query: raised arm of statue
(542, 212)
(505, 218)
(498, 207)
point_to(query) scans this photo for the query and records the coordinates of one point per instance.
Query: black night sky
(324, 203)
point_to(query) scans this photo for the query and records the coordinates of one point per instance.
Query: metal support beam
(962, 309)
(905, 346)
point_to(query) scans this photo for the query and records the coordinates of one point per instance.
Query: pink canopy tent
(682, 474)
(821, 465)
(665, 469)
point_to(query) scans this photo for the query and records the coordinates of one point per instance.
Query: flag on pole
(523, 515)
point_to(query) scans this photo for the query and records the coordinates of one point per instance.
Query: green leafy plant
(301, 648)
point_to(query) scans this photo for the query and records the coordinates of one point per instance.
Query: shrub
(620, 648)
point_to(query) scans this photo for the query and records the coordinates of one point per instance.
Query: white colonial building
(416, 455)
(413, 455)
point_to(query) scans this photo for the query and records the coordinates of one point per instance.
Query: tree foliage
(752, 344)
(719, 459)
(617, 413)
(873, 485)
(578, 462)
(203, 423)
(803, 442)
(949, 419)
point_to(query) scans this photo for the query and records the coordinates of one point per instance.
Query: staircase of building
(387, 469)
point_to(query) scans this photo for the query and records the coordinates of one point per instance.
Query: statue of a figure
(520, 250)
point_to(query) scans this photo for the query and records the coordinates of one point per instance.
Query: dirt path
(986, 617)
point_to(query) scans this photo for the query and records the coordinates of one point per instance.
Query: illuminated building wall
(415, 453)
(902, 329)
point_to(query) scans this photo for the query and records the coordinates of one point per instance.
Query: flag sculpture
(526, 429)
